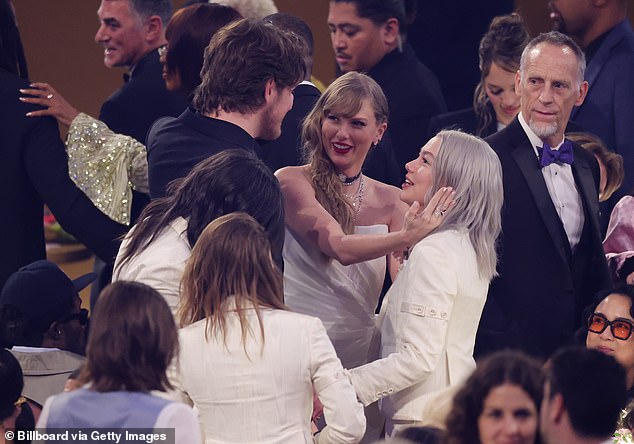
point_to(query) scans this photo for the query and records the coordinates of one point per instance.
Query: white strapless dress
(344, 297)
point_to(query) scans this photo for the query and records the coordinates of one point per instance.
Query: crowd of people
(280, 264)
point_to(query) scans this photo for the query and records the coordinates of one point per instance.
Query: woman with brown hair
(495, 103)
(132, 341)
(249, 365)
(498, 403)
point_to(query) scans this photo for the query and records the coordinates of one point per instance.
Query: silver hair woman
(430, 315)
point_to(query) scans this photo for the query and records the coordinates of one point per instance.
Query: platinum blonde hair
(469, 165)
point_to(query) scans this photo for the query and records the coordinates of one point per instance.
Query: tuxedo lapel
(524, 156)
(586, 187)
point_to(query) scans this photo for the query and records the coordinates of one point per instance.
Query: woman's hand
(55, 105)
(419, 224)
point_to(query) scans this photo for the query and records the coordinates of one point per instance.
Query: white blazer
(428, 325)
(267, 397)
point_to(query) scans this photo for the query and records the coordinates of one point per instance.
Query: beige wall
(58, 39)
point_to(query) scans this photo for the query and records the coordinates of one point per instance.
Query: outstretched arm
(307, 218)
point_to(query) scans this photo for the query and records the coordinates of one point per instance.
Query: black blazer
(464, 120)
(413, 95)
(536, 302)
(286, 149)
(34, 171)
(133, 108)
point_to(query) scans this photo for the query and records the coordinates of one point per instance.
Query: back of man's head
(239, 61)
(33, 298)
(148, 8)
(592, 386)
(294, 24)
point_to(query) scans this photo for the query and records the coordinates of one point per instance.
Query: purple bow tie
(547, 155)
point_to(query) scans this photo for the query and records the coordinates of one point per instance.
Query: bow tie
(547, 155)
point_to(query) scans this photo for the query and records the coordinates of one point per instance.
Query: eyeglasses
(82, 317)
(162, 50)
(21, 400)
(620, 328)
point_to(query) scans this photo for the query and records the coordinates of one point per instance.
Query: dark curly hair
(508, 366)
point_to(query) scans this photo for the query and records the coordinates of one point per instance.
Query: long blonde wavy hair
(344, 97)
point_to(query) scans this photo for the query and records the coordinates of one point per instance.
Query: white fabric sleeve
(345, 421)
(432, 283)
(182, 419)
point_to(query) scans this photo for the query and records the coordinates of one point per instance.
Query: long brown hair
(502, 44)
(230, 270)
(133, 339)
(345, 96)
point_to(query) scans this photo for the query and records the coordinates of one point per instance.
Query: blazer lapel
(525, 158)
(587, 188)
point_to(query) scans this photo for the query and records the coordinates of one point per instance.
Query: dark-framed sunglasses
(82, 317)
(620, 328)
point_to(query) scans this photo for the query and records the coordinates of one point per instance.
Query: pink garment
(619, 240)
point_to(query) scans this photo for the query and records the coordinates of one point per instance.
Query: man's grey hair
(148, 8)
(557, 39)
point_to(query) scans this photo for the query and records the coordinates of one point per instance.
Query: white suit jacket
(428, 321)
(267, 397)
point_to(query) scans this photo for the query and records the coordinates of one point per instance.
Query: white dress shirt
(562, 189)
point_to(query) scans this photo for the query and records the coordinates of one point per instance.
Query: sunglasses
(82, 317)
(620, 328)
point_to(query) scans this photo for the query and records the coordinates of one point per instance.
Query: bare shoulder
(387, 194)
(292, 175)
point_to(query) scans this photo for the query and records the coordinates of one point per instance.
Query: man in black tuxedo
(131, 31)
(551, 258)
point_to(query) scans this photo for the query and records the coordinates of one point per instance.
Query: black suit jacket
(176, 145)
(535, 303)
(34, 171)
(413, 95)
(464, 120)
(133, 108)
(286, 149)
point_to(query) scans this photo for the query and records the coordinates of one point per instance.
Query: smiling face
(357, 42)
(549, 88)
(499, 86)
(615, 306)
(509, 416)
(420, 175)
(347, 140)
(121, 33)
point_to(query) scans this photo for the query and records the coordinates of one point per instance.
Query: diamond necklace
(357, 197)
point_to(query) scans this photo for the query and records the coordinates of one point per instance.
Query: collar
(534, 138)
(147, 59)
(219, 129)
